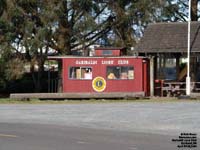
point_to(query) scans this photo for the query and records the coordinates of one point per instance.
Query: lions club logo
(99, 84)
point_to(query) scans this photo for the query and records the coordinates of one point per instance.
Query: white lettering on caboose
(107, 62)
(86, 62)
(123, 62)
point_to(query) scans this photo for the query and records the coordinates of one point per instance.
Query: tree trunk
(66, 51)
(194, 10)
(40, 74)
(59, 79)
(32, 70)
(64, 45)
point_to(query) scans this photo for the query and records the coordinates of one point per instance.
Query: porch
(166, 45)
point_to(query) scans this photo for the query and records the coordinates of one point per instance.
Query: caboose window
(80, 73)
(120, 72)
(107, 52)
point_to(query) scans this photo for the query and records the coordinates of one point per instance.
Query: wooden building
(166, 44)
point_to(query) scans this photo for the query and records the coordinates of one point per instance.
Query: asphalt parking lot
(170, 118)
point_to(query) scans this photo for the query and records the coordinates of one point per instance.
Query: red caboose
(107, 74)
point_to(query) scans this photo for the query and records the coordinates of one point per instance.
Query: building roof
(90, 57)
(110, 48)
(169, 38)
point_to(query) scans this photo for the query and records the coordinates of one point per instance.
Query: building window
(120, 72)
(107, 52)
(80, 73)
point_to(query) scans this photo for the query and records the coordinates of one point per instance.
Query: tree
(194, 10)
(179, 10)
(62, 25)
(131, 17)
(5, 42)
(23, 39)
(77, 25)
(2, 6)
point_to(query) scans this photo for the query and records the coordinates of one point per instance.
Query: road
(112, 126)
(54, 137)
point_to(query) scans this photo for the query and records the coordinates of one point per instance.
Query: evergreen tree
(2, 6)
(194, 10)
(62, 26)
(131, 17)
(179, 10)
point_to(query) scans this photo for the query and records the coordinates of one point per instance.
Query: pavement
(17, 136)
(112, 126)
(154, 117)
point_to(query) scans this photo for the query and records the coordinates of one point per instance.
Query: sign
(86, 62)
(103, 62)
(99, 84)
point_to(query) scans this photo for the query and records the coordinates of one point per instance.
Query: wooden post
(155, 67)
(160, 65)
(152, 76)
(177, 66)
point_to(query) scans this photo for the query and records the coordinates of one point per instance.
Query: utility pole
(188, 79)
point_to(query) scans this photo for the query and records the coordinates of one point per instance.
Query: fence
(173, 89)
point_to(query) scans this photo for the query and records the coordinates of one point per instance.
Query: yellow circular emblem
(99, 84)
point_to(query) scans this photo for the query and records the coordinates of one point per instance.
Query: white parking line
(82, 142)
(132, 148)
(8, 135)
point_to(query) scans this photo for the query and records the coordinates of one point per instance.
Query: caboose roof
(110, 48)
(91, 57)
(169, 38)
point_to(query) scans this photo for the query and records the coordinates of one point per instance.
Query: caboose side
(108, 72)
(105, 75)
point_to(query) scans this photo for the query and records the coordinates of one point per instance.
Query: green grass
(37, 101)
